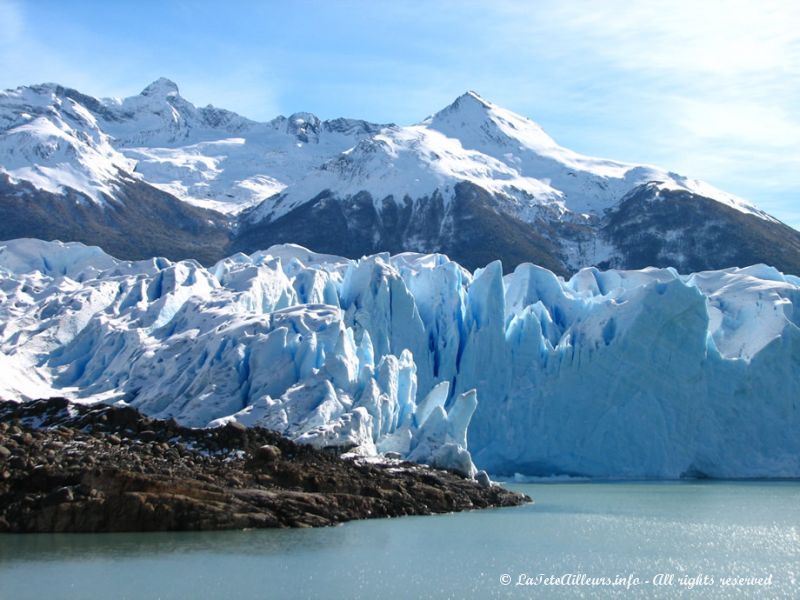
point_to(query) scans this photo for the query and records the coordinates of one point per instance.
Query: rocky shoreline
(67, 467)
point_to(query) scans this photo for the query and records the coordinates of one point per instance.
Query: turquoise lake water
(698, 533)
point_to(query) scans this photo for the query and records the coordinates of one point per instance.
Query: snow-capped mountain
(209, 157)
(61, 177)
(575, 184)
(51, 140)
(216, 159)
(474, 181)
(476, 176)
(608, 374)
(507, 155)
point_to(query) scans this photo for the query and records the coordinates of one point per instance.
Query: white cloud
(716, 37)
(744, 123)
(708, 88)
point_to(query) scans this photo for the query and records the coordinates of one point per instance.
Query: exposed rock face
(73, 468)
(662, 228)
(141, 222)
(469, 229)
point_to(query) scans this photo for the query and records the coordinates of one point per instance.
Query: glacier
(609, 374)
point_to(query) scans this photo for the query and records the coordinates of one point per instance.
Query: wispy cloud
(710, 88)
(718, 38)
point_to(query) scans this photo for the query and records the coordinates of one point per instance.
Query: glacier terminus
(626, 374)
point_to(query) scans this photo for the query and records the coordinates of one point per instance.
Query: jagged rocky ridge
(473, 181)
(609, 374)
(75, 468)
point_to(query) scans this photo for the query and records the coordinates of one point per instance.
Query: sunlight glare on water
(649, 531)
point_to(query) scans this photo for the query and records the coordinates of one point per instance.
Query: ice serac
(626, 374)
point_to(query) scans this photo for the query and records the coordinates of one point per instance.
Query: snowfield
(58, 139)
(625, 374)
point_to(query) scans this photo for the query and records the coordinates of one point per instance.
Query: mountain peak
(473, 96)
(161, 87)
(467, 102)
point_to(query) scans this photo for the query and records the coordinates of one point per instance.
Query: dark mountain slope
(140, 223)
(664, 228)
(469, 229)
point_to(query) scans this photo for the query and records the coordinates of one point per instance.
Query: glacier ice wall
(610, 374)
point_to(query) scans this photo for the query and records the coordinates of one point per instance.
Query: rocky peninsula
(68, 467)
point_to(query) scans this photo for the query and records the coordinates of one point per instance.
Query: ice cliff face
(609, 374)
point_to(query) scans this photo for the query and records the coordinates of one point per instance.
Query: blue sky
(708, 89)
